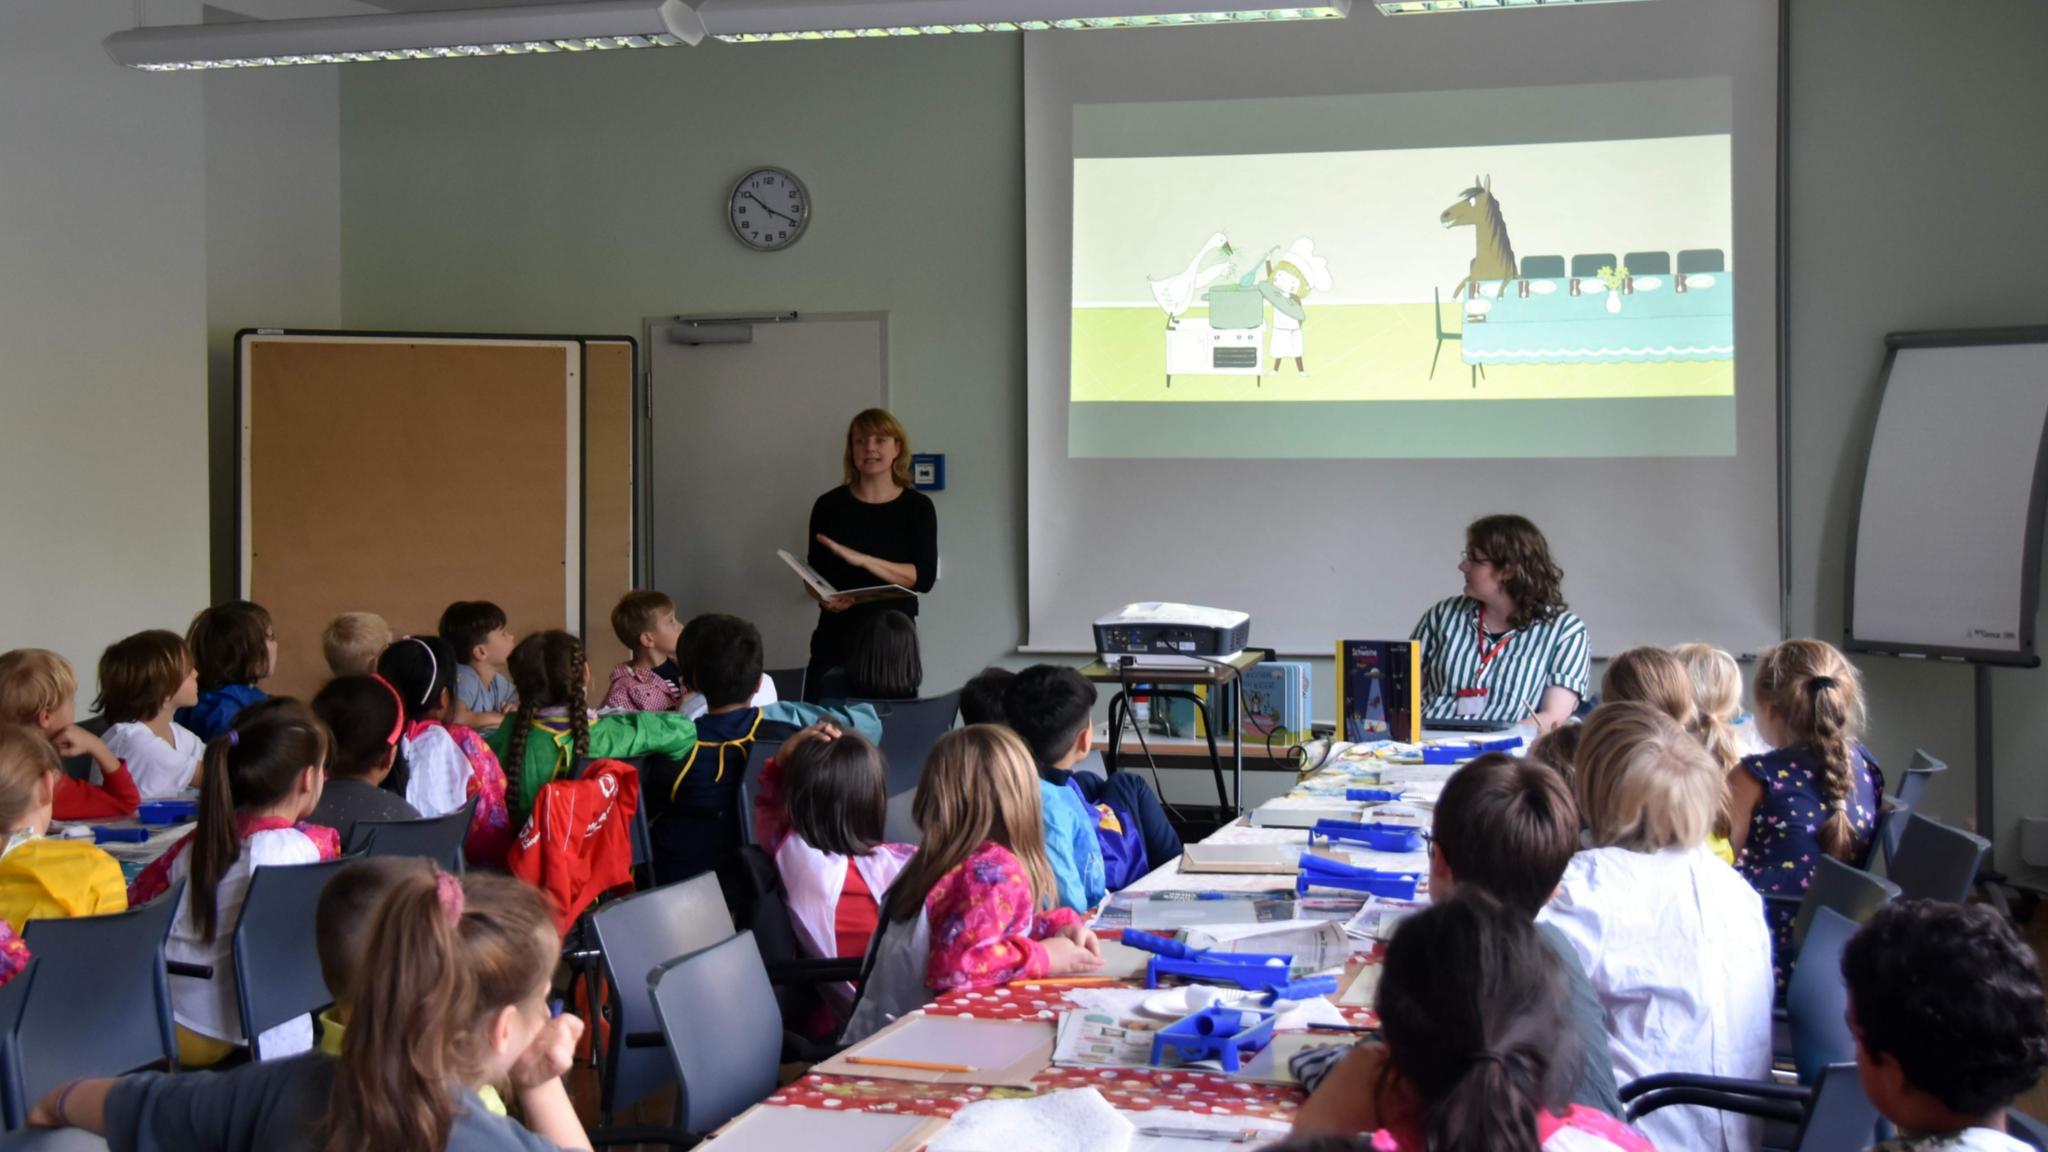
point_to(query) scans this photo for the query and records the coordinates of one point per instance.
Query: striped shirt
(1546, 652)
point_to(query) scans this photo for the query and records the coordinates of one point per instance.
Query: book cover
(1379, 687)
(1276, 703)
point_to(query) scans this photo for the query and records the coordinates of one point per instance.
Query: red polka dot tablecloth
(1131, 1089)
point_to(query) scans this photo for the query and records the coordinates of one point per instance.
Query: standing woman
(874, 529)
(1505, 649)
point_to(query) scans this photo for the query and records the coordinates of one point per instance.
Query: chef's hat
(1313, 269)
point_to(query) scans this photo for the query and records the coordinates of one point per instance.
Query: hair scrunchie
(448, 887)
(234, 738)
(1818, 684)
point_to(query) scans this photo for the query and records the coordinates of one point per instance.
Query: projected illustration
(1593, 269)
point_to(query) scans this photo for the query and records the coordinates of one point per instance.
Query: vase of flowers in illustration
(1615, 278)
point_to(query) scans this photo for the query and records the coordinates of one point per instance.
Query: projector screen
(1304, 301)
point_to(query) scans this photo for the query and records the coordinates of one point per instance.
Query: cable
(1123, 674)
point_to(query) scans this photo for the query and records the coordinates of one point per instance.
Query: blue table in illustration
(1652, 324)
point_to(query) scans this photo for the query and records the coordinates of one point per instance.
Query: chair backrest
(789, 682)
(277, 966)
(1647, 263)
(2021, 1127)
(1936, 862)
(1542, 267)
(1587, 265)
(1839, 1118)
(1817, 997)
(636, 935)
(438, 838)
(909, 729)
(899, 826)
(1914, 780)
(723, 1028)
(750, 782)
(1847, 891)
(1694, 260)
(1891, 824)
(13, 995)
(101, 1004)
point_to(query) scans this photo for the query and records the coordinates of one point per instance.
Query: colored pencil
(919, 1065)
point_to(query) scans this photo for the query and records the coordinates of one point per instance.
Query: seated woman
(1505, 649)
(1672, 939)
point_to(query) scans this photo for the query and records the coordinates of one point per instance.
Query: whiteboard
(1946, 555)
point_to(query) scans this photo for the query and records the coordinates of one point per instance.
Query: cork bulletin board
(610, 365)
(394, 474)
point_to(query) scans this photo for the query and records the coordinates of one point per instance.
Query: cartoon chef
(1289, 280)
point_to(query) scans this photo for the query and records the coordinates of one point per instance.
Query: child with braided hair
(1817, 793)
(553, 728)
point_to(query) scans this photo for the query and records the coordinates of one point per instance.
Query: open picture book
(826, 591)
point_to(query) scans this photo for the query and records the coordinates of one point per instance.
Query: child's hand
(824, 730)
(1080, 934)
(551, 1054)
(1066, 958)
(76, 741)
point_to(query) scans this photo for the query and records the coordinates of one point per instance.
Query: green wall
(581, 194)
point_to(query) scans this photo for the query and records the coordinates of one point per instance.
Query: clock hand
(765, 208)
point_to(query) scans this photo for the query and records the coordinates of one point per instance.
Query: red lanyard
(1486, 655)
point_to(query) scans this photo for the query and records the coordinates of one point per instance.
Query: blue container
(1225, 1035)
(1379, 837)
(167, 811)
(105, 834)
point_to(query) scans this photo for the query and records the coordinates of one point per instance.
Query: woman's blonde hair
(1717, 693)
(1644, 783)
(26, 759)
(979, 785)
(878, 422)
(1816, 697)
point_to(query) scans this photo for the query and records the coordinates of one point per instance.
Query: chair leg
(1433, 358)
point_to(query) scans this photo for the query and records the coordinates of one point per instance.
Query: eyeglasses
(1468, 556)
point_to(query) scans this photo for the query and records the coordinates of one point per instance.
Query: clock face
(769, 209)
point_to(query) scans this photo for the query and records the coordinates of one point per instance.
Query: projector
(1157, 635)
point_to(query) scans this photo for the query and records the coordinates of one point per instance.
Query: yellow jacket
(46, 878)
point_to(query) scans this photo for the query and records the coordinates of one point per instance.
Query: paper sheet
(1314, 944)
(1378, 917)
(1363, 989)
(772, 1129)
(998, 1053)
(1079, 1118)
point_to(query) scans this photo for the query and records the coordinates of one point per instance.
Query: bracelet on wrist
(64, 1097)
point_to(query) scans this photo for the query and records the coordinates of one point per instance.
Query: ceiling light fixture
(596, 26)
(602, 25)
(1409, 7)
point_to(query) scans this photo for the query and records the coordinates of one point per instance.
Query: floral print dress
(985, 927)
(1784, 832)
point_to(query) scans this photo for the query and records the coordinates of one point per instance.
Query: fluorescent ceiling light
(762, 21)
(577, 27)
(1407, 7)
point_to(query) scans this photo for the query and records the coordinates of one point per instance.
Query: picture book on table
(1379, 688)
(1275, 711)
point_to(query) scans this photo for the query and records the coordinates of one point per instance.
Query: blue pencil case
(1379, 837)
(1225, 1035)
(1371, 794)
(167, 811)
(1317, 872)
(106, 834)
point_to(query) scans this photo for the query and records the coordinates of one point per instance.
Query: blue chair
(13, 996)
(101, 1004)
(2026, 1129)
(1817, 997)
(1542, 267)
(1848, 891)
(437, 838)
(1936, 862)
(1648, 263)
(1587, 266)
(1913, 782)
(1696, 260)
(634, 937)
(1832, 1116)
(758, 756)
(1444, 335)
(909, 729)
(277, 966)
(723, 1030)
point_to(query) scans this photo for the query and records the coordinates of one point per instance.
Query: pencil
(1073, 981)
(919, 1065)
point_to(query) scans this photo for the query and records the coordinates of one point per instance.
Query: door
(743, 438)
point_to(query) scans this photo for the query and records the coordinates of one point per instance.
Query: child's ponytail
(1816, 696)
(254, 764)
(445, 956)
(1477, 1023)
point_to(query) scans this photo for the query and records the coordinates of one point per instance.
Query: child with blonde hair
(1655, 677)
(975, 907)
(234, 646)
(40, 877)
(144, 680)
(1672, 939)
(353, 641)
(1818, 793)
(39, 689)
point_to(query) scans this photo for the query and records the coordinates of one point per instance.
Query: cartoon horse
(1495, 256)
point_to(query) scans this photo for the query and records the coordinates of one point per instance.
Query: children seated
(645, 622)
(824, 827)
(475, 631)
(885, 663)
(263, 780)
(1052, 708)
(38, 689)
(1717, 693)
(554, 729)
(1480, 1052)
(1818, 793)
(353, 641)
(443, 766)
(981, 698)
(41, 877)
(1672, 939)
(1655, 677)
(1508, 828)
(144, 679)
(1950, 1022)
(348, 905)
(457, 1000)
(364, 722)
(976, 906)
(233, 646)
